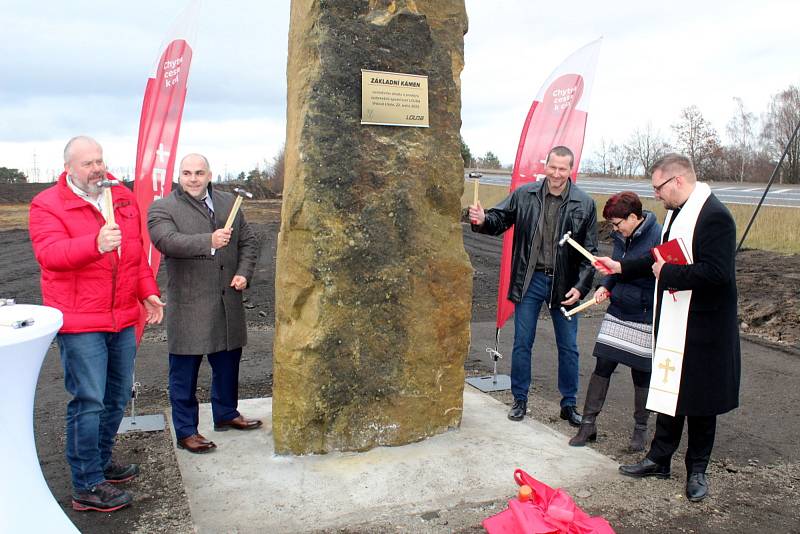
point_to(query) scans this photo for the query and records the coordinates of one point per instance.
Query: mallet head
(565, 313)
(564, 239)
(242, 193)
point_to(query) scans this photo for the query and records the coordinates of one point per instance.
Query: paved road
(732, 193)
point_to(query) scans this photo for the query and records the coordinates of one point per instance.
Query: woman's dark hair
(623, 204)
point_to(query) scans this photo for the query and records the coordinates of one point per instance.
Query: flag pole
(769, 184)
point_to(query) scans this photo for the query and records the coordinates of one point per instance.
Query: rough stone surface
(373, 286)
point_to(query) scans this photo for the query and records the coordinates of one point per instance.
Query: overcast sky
(79, 66)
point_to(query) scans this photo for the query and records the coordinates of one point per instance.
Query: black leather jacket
(522, 210)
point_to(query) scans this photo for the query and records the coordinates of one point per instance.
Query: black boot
(517, 412)
(595, 398)
(640, 416)
(645, 468)
(696, 487)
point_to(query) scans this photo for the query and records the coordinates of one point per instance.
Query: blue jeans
(183, 371)
(98, 373)
(526, 315)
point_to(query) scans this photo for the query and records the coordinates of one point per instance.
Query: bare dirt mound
(769, 296)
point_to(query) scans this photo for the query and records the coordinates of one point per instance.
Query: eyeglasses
(617, 224)
(657, 188)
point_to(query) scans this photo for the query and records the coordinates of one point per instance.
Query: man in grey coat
(207, 269)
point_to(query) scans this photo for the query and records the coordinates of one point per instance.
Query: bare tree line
(269, 180)
(754, 144)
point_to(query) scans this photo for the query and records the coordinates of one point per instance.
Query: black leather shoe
(696, 487)
(645, 468)
(570, 413)
(517, 412)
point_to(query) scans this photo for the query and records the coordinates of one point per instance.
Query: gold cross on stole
(667, 368)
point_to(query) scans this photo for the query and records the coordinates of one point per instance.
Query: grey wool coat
(204, 314)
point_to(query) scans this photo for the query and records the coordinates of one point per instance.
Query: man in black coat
(544, 273)
(709, 381)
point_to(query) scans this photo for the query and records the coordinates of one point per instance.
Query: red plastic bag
(548, 511)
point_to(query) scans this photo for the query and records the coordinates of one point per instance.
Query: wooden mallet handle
(579, 248)
(236, 204)
(568, 314)
(109, 205)
(577, 309)
(475, 192)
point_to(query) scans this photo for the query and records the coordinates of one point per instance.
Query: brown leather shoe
(196, 444)
(240, 423)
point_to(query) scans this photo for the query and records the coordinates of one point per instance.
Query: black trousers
(702, 430)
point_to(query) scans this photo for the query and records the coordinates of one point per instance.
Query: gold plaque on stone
(394, 99)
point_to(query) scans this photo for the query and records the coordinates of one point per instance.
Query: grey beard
(89, 188)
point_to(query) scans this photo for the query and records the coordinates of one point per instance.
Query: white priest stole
(670, 343)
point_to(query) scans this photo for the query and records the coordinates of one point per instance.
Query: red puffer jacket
(95, 292)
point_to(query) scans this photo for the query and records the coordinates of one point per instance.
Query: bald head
(194, 158)
(77, 144)
(83, 163)
(195, 175)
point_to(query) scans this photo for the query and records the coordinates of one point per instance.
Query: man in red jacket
(95, 273)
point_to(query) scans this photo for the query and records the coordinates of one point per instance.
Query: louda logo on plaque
(394, 99)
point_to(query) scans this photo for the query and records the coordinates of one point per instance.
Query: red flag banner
(160, 126)
(557, 117)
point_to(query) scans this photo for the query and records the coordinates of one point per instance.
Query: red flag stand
(159, 128)
(493, 382)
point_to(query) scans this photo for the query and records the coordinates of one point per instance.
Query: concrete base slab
(244, 486)
(142, 423)
(490, 382)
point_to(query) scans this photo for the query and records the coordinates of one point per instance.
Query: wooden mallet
(108, 204)
(568, 314)
(108, 201)
(240, 194)
(568, 239)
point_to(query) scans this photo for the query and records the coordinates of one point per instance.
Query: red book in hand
(673, 251)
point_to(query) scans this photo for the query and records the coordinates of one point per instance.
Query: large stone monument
(373, 286)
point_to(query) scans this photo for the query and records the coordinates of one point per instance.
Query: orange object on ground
(546, 511)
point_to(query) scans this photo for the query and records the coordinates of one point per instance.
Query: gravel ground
(754, 473)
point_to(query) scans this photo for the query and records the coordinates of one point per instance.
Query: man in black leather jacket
(544, 273)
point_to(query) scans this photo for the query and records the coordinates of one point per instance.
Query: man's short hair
(68, 146)
(562, 151)
(674, 163)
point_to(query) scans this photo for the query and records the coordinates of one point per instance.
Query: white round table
(26, 503)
